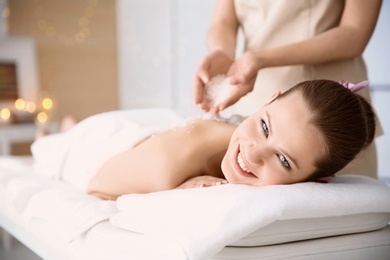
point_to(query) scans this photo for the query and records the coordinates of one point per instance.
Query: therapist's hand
(243, 73)
(214, 63)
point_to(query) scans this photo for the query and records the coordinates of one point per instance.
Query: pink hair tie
(354, 87)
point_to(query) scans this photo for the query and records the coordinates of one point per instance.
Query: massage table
(363, 235)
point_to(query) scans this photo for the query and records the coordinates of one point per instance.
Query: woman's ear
(274, 96)
(322, 180)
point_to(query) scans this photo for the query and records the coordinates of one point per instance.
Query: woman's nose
(258, 154)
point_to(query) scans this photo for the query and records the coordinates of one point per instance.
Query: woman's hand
(201, 182)
(216, 62)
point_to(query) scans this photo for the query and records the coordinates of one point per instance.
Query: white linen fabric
(70, 210)
(203, 221)
(178, 224)
(76, 155)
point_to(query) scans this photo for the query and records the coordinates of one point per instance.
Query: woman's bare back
(165, 161)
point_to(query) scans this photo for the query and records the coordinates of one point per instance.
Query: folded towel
(71, 211)
(203, 221)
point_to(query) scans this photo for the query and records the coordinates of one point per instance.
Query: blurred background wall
(76, 51)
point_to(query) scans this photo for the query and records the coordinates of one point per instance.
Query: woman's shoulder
(209, 117)
(208, 125)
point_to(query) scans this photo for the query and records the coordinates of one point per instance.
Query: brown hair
(345, 120)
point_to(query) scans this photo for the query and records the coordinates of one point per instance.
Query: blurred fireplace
(8, 81)
(19, 84)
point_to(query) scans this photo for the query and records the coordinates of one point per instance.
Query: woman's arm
(347, 40)
(132, 171)
(153, 165)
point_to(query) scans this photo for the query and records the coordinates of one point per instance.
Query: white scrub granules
(233, 119)
(218, 89)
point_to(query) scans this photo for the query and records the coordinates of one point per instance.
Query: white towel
(76, 155)
(71, 211)
(203, 221)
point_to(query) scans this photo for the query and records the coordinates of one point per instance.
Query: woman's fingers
(202, 181)
(210, 183)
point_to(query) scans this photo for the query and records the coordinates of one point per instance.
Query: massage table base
(42, 239)
(368, 245)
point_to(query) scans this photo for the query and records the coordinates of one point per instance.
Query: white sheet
(70, 210)
(203, 221)
(180, 224)
(76, 219)
(76, 155)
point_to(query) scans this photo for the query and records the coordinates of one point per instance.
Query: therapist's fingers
(237, 95)
(198, 90)
(245, 85)
(204, 76)
(199, 97)
(201, 78)
(244, 77)
(228, 102)
(199, 93)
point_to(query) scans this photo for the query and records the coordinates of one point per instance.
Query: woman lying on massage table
(307, 133)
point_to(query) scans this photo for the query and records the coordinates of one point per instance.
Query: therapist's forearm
(222, 33)
(348, 40)
(330, 46)
(222, 37)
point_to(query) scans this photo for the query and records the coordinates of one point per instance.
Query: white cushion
(283, 231)
(203, 221)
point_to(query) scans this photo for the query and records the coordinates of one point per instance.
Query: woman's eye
(284, 161)
(265, 128)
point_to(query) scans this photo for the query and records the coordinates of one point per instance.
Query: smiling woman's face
(276, 145)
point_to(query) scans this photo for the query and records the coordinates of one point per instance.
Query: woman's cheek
(227, 168)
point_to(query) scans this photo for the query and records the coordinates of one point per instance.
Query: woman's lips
(242, 163)
(241, 166)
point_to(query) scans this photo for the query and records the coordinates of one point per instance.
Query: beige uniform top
(270, 23)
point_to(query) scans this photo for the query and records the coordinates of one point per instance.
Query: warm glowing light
(5, 113)
(47, 103)
(30, 107)
(85, 32)
(79, 38)
(42, 117)
(20, 104)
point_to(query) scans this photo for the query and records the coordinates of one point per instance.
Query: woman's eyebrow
(284, 152)
(269, 123)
